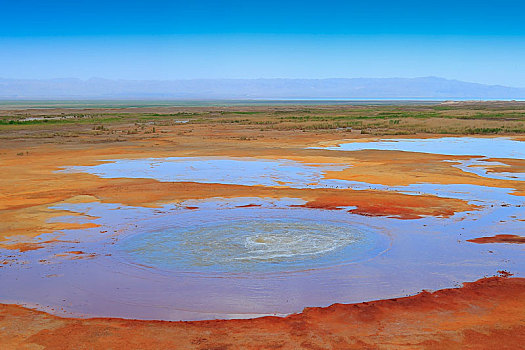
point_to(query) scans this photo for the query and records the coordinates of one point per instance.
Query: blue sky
(480, 41)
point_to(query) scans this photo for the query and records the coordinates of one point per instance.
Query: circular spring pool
(250, 243)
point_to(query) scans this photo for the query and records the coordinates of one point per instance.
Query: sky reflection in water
(273, 259)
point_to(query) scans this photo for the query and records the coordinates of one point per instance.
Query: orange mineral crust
(398, 168)
(28, 246)
(499, 239)
(152, 193)
(508, 165)
(486, 314)
(31, 181)
(25, 204)
(375, 203)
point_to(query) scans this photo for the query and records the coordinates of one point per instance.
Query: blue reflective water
(224, 170)
(428, 253)
(227, 260)
(257, 241)
(479, 167)
(494, 147)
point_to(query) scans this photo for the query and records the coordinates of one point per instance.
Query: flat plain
(284, 225)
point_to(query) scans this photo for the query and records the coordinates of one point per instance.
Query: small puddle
(480, 167)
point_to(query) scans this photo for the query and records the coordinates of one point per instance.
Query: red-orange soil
(28, 246)
(487, 314)
(24, 201)
(410, 207)
(499, 239)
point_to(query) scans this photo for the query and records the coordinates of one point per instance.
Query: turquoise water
(254, 245)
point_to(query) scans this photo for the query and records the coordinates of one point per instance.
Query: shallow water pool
(251, 256)
(495, 147)
(248, 243)
(224, 170)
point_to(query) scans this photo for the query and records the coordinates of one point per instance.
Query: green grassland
(468, 118)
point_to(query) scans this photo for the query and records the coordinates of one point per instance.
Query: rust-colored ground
(30, 182)
(499, 239)
(487, 314)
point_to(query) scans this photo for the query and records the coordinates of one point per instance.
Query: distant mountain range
(357, 88)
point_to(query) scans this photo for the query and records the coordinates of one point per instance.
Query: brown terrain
(487, 314)
(499, 239)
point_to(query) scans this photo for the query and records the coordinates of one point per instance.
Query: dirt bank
(487, 314)
(499, 239)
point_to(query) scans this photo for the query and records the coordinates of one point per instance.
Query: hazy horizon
(425, 88)
(91, 78)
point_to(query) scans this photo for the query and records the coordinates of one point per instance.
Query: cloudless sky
(479, 41)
